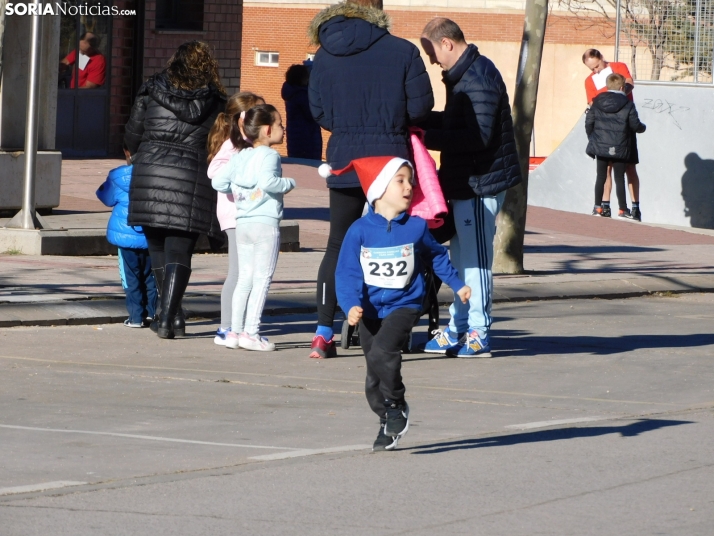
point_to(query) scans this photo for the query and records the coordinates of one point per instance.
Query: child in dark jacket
(611, 125)
(380, 284)
(134, 261)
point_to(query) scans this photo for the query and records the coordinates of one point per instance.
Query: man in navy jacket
(366, 87)
(479, 163)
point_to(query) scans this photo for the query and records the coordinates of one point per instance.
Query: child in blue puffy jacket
(134, 261)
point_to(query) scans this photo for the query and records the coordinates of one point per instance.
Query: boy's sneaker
(606, 212)
(220, 338)
(232, 340)
(321, 348)
(128, 323)
(397, 419)
(472, 345)
(255, 342)
(383, 441)
(625, 214)
(443, 342)
(636, 214)
(597, 211)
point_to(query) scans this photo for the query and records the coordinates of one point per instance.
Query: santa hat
(374, 173)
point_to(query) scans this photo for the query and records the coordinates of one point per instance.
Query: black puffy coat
(166, 135)
(475, 131)
(304, 136)
(610, 124)
(366, 86)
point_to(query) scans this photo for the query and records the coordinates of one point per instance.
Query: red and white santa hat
(374, 173)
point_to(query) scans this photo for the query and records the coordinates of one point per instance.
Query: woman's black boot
(175, 282)
(159, 278)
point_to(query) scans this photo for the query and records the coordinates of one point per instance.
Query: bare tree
(508, 243)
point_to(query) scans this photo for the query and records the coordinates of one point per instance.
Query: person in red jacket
(595, 84)
(91, 63)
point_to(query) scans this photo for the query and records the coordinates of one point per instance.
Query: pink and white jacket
(225, 207)
(427, 199)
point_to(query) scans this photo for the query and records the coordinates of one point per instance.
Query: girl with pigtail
(220, 150)
(254, 177)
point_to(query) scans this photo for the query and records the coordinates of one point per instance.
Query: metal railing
(666, 40)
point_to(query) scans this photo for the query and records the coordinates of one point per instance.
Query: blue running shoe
(442, 342)
(472, 345)
(220, 338)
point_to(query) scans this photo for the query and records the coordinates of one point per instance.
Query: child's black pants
(382, 341)
(618, 172)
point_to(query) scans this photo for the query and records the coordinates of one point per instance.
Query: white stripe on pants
(472, 256)
(258, 247)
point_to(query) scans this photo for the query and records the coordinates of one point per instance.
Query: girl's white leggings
(258, 247)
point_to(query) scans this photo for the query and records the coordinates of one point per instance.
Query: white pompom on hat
(374, 173)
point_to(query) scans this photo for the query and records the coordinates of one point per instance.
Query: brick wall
(222, 23)
(283, 30)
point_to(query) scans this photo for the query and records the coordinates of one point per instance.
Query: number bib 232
(388, 267)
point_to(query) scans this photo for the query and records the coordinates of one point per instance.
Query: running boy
(610, 125)
(134, 261)
(380, 284)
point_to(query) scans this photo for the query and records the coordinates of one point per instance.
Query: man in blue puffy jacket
(134, 261)
(366, 87)
(479, 163)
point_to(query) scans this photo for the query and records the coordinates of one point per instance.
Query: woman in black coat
(304, 136)
(171, 196)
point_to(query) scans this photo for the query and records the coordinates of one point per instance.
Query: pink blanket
(428, 200)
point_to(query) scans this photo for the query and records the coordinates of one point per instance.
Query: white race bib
(387, 267)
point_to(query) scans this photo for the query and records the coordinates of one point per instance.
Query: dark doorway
(84, 85)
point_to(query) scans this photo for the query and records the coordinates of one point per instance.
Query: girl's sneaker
(232, 340)
(443, 342)
(472, 345)
(220, 338)
(255, 342)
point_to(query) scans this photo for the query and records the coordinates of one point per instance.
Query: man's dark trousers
(382, 341)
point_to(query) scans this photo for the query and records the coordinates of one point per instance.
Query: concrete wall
(676, 161)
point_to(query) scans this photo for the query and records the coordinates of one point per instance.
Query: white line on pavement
(40, 487)
(308, 452)
(545, 424)
(149, 438)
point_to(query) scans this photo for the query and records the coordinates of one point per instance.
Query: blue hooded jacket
(391, 254)
(366, 87)
(115, 193)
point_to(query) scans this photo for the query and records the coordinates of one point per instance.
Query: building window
(266, 59)
(179, 15)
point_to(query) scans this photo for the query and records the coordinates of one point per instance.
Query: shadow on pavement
(526, 345)
(629, 430)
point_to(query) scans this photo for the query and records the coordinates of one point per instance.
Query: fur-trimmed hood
(347, 10)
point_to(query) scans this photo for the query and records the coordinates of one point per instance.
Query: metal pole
(697, 22)
(27, 218)
(617, 32)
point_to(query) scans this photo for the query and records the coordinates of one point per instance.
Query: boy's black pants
(618, 172)
(382, 341)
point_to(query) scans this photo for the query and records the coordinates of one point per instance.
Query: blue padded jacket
(366, 86)
(115, 193)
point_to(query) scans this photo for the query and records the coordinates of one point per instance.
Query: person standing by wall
(366, 87)
(171, 196)
(479, 163)
(595, 84)
(303, 132)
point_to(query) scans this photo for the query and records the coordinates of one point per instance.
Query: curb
(112, 311)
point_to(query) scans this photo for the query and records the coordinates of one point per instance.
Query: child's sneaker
(625, 214)
(322, 349)
(472, 345)
(383, 441)
(636, 214)
(255, 342)
(597, 211)
(442, 342)
(397, 419)
(128, 323)
(232, 340)
(220, 338)
(606, 212)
